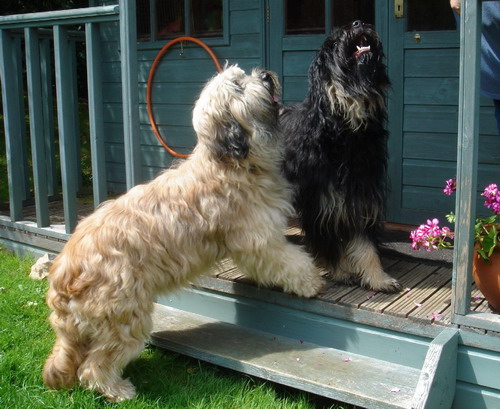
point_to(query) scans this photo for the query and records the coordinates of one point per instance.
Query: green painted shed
(435, 345)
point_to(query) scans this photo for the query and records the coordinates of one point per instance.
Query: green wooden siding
(178, 81)
(430, 86)
(423, 102)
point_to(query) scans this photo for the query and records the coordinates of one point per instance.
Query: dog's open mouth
(362, 47)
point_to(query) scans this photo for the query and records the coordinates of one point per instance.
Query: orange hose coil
(150, 82)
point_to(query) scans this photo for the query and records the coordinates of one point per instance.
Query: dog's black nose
(357, 24)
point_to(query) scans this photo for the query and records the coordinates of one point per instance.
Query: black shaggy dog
(336, 155)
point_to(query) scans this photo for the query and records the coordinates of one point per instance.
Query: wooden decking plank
(477, 300)
(417, 296)
(225, 269)
(433, 309)
(338, 291)
(411, 274)
(397, 270)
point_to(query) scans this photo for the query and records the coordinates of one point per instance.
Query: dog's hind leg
(60, 368)
(364, 261)
(283, 264)
(111, 349)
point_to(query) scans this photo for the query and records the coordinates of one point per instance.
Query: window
(164, 19)
(305, 17)
(430, 15)
(169, 17)
(319, 16)
(206, 18)
(346, 11)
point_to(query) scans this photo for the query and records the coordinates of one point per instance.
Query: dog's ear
(232, 141)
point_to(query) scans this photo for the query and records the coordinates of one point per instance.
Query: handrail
(50, 18)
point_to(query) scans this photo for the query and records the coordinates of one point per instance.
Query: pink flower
(430, 236)
(451, 186)
(492, 196)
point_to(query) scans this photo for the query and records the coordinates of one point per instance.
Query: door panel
(423, 58)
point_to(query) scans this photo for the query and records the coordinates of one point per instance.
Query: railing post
(48, 115)
(130, 92)
(65, 120)
(13, 125)
(96, 120)
(468, 116)
(36, 126)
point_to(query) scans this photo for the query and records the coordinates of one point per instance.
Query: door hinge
(268, 15)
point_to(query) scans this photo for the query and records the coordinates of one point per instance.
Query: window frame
(154, 42)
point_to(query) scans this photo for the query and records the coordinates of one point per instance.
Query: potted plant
(486, 265)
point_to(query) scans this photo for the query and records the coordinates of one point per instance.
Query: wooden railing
(468, 140)
(37, 31)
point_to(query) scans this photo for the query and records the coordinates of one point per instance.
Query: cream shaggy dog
(228, 199)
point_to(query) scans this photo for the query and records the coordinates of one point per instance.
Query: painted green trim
(96, 118)
(486, 321)
(394, 50)
(467, 153)
(436, 385)
(66, 120)
(35, 103)
(276, 30)
(55, 232)
(352, 337)
(13, 119)
(64, 17)
(130, 92)
(48, 115)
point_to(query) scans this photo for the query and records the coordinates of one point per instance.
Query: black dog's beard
(335, 143)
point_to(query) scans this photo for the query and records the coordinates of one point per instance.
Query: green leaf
(451, 217)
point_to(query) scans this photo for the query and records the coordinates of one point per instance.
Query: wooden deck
(425, 276)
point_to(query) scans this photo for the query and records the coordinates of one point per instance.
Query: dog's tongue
(361, 50)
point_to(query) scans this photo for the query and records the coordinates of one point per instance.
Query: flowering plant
(486, 229)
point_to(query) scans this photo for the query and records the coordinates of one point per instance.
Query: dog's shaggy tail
(60, 369)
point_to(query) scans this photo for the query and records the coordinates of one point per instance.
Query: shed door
(422, 49)
(423, 60)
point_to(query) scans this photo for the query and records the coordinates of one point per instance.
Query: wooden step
(336, 374)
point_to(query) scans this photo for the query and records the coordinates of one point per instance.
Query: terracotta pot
(487, 277)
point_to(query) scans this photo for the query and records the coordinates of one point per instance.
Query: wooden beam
(96, 119)
(48, 113)
(66, 17)
(12, 124)
(467, 147)
(35, 103)
(130, 93)
(436, 385)
(66, 119)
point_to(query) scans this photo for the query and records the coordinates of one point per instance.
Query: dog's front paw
(389, 285)
(310, 286)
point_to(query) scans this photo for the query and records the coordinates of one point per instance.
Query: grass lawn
(162, 379)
